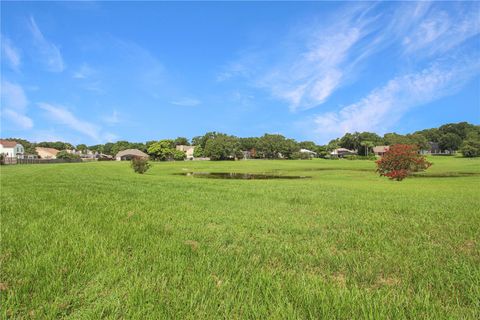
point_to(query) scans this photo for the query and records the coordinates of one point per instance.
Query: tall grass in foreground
(94, 240)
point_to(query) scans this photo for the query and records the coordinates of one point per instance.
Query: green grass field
(95, 240)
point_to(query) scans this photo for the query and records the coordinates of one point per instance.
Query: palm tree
(367, 145)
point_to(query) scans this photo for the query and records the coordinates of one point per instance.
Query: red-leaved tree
(400, 161)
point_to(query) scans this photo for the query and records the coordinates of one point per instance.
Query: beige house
(47, 153)
(380, 150)
(129, 154)
(189, 150)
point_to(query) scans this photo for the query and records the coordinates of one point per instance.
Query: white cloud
(48, 53)
(10, 53)
(62, 115)
(84, 72)
(316, 73)
(46, 135)
(13, 96)
(19, 120)
(384, 106)
(186, 102)
(313, 61)
(14, 105)
(439, 31)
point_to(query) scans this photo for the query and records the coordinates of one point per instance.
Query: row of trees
(461, 136)
(220, 146)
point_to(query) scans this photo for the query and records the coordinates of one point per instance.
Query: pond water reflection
(237, 175)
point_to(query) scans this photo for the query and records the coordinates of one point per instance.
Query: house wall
(9, 152)
(187, 149)
(12, 152)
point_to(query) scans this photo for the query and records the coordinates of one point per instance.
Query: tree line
(462, 136)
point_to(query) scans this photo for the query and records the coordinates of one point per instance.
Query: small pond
(236, 175)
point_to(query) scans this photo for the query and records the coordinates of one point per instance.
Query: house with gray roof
(129, 154)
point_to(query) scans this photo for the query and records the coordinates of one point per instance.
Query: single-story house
(380, 150)
(309, 152)
(189, 150)
(129, 154)
(47, 153)
(11, 149)
(341, 152)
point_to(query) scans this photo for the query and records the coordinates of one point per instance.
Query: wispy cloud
(14, 105)
(314, 61)
(13, 96)
(47, 135)
(48, 53)
(425, 30)
(84, 72)
(317, 59)
(10, 53)
(384, 106)
(186, 102)
(19, 119)
(62, 115)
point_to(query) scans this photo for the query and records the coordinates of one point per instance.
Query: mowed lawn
(95, 240)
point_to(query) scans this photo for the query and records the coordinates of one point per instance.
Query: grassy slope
(96, 240)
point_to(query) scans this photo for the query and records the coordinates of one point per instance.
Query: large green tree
(432, 135)
(461, 129)
(249, 143)
(222, 147)
(273, 146)
(471, 145)
(450, 141)
(181, 141)
(395, 138)
(161, 150)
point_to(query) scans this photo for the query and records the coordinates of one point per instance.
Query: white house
(311, 153)
(11, 149)
(341, 152)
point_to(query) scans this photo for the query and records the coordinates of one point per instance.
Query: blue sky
(94, 72)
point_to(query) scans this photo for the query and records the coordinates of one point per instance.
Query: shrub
(140, 164)
(198, 152)
(471, 148)
(67, 156)
(2, 159)
(400, 161)
(179, 155)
